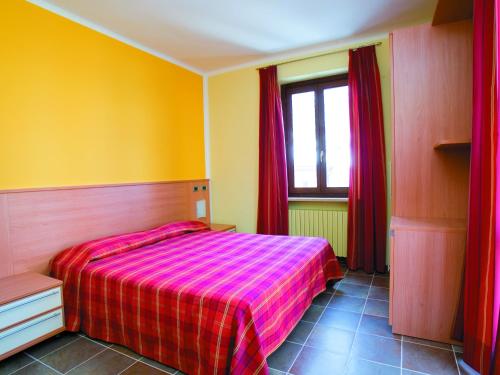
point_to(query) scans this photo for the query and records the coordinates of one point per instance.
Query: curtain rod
(325, 54)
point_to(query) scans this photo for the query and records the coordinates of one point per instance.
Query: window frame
(317, 85)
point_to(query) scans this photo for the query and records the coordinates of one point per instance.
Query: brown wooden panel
(426, 282)
(432, 85)
(428, 224)
(452, 11)
(40, 223)
(5, 253)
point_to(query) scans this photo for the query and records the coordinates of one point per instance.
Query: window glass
(304, 139)
(337, 136)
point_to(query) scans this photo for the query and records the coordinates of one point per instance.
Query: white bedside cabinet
(31, 310)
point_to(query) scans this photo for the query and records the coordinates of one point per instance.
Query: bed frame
(35, 224)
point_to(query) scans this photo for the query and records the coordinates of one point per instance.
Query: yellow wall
(234, 147)
(77, 107)
(234, 129)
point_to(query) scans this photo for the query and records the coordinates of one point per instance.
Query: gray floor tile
(319, 362)
(322, 299)
(140, 368)
(340, 319)
(36, 368)
(14, 363)
(362, 367)
(428, 359)
(313, 313)
(378, 349)
(52, 344)
(159, 365)
(346, 289)
(334, 340)
(376, 325)
(377, 308)
(284, 356)
(300, 332)
(72, 355)
(126, 351)
(353, 304)
(108, 362)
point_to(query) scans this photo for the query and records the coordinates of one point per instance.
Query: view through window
(316, 115)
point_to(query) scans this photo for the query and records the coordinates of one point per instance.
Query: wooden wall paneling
(432, 115)
(432, 86)
(394, 192)
(5, 253)
(428, 284)
(452, 11)
(43, 222)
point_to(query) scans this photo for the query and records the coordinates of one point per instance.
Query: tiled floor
(345, 331)
(76, 354)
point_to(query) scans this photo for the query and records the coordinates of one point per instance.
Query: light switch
(201, 208)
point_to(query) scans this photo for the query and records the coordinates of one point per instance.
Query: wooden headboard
(36, 224)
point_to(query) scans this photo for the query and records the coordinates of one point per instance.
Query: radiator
(330, 224)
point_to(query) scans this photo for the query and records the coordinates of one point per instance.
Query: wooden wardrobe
(432, 105)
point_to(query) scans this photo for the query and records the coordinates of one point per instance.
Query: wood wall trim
(5, 252)
(432, 88)
(452, 11)
(35, 224)
(72, 187)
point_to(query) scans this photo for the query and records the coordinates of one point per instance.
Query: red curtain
(272, 215)
(367, 220)
(481, 264)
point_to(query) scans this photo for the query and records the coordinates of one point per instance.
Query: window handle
(321, 154)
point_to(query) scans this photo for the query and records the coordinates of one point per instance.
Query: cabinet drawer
(17, 336)
(25, 308)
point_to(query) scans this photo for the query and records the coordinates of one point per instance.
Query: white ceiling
(212, 35)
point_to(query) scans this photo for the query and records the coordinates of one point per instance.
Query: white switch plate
(201, 208)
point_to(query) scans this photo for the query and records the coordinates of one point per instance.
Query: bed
(202, 301)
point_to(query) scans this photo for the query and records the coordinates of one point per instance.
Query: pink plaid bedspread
(201, 301)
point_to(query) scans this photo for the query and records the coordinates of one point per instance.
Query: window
(316, 117)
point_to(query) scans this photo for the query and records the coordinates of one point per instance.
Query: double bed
(202, 301)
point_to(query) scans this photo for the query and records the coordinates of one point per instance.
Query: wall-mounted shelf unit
(452, 11)
(430, 181)
(452, 144)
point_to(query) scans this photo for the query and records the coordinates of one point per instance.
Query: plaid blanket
(201, 301)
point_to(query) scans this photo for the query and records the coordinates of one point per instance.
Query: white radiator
(330, 224)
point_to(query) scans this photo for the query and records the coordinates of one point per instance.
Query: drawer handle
(53, 315)
(19, 304)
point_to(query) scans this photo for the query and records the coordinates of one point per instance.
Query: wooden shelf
(453, 144)
(452, 11)
(428, 224)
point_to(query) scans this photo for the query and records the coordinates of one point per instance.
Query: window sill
(316, 199)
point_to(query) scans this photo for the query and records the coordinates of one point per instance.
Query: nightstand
(223, 227)
(31, 310)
